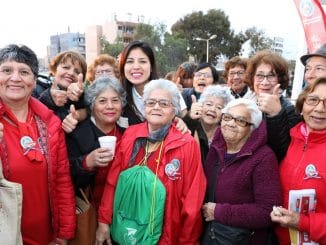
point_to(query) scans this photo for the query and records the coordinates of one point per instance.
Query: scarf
(155, 136)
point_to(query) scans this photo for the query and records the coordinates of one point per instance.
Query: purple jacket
(247, 186)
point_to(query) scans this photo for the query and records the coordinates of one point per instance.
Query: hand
(99, 157)
(208, 211)
(270, 103)
(75, 90)
(71, 120)
(286, 218)
(103, 234)
(196, 110)
(181, 126)
(58, 96)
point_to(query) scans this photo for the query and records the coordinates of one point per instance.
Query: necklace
(148, 152)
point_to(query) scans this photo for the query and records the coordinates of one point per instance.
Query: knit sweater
(247, 185)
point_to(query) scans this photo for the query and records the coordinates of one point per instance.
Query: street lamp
(207, 43)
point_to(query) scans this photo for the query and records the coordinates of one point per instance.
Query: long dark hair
(146, 48)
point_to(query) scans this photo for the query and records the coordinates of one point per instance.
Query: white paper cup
(108, 142)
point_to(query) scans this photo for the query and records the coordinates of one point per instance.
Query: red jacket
(185, 195)
(62, 201)
(301, 153)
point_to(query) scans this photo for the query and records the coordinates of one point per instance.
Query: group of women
(242, 140)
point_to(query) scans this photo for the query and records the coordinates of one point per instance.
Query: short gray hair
(216, 91)
(20, 54)
(168, 86)
(101, 84)
(256, 115)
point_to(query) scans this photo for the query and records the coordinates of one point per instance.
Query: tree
(175, 51)
(198, 24)
(111, 49)
(169, 51)
(257, 38)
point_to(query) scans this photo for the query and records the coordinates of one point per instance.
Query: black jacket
(278, 128)
(80, 142)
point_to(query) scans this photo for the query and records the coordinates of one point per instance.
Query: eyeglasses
(103, 72)
(210, 104)
(270, 77)
(239, 73)
(205, 75)
(240, 122)
(162, 103)
(314, 100)
(23, 73)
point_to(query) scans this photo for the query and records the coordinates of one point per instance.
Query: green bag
(138, 208)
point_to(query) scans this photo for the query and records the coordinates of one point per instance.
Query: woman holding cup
(89, 159)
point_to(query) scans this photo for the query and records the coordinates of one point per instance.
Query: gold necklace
(148, 152)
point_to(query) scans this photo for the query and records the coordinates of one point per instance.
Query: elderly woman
(173, 159)
(267, 75)
(90, 162)
(103, 64)
(240, 162)
(304, 168)
(234, 74)
(206, 116)
(68, 69)
(33, 152)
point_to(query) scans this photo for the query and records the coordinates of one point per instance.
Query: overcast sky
(33, 22)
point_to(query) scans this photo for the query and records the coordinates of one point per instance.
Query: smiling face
(234, 134)
(67, 73)
(17, 82)
(315, 116)
(202, 79)
(158, 116)
(315, 68)
(236, 79)
(212, 107)
(268, 83)
(107, 108)
(137, 68)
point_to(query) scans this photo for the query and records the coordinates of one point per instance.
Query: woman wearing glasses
(205, 116)
(204, 75)
(246, 183)
(304, 168)
(170, 155)
(103, 65)
(267, 75)
(234, 74)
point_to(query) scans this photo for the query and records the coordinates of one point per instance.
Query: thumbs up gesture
(196, 109)
(59, 96)
(75, 90)
(270, 103)
(71, 120)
